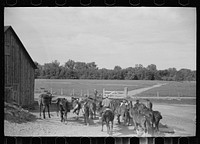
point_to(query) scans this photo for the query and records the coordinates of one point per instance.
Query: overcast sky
(112, 36)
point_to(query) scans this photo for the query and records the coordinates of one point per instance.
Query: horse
(140, 107)
(63, 106)
(108, 117)
(158, 117)
(85, 111)
(92, 109)
(122, 113)
(127, 118)
(149, 116)
(139, 120)
(76, 107)
(44, 101)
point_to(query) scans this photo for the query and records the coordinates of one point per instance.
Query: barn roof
(29, 57)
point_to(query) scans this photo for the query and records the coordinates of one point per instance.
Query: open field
(168, 89)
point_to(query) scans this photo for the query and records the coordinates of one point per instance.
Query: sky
(108, 36)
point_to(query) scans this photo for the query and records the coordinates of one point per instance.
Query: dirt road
(177, 121)
(137, 91)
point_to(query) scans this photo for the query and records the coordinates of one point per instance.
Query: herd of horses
(143, 118)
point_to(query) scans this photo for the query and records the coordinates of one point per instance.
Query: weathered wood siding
(19, 72)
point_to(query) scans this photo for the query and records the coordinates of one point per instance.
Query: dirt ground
(178, 120)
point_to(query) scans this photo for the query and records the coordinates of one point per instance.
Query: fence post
(61, 91)
(179, 96)
(125, 91)
(157, 94)
(103, 92)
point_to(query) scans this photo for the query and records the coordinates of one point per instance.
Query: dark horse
(108, 118)
(139, 120)
(44, 101)
(158, 117)
(63, 106)
(85, 111)
(148, 113)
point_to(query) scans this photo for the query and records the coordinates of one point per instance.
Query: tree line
(82, 70)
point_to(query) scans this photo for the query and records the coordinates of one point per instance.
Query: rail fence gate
(116, 94)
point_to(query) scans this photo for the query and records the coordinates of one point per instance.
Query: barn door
(8, 94)
(16, 93)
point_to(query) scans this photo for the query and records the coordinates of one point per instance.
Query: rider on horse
(137, 103)
(106, 104)
(149, 104)
(77, 106)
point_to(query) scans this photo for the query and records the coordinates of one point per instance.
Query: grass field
(187, 89)
(89, 85)
(171, 89)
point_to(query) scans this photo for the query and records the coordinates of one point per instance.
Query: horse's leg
(48, 111)
(61, 115)
(111, 127)
(40, 109)
(84, 118)
(102, 126)
(118, 118)
(44, 107)
(108, 127)
(88, 120)
(57, 110)
(66, 116)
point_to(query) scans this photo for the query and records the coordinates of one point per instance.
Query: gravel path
(137, 91)
(178, 123)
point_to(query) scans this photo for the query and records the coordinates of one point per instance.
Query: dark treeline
(82, 70)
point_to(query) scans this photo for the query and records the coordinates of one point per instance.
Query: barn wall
(19, 73)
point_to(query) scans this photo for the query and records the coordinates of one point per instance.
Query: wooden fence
(116, 94)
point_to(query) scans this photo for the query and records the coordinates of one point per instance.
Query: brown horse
(85, 111)
(158, 117)
(139, 120)
(108, 117)
(44, 102)
(63, 106)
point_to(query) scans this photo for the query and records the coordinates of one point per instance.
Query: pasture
(81, 87)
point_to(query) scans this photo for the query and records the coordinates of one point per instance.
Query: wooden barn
(19, 70)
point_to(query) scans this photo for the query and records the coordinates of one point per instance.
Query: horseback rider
(77, 106)
(149, 104)
(106, 104)
(137, 103)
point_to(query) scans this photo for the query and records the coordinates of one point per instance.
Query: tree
(151, 72)
(70, 64)
(37, 71)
